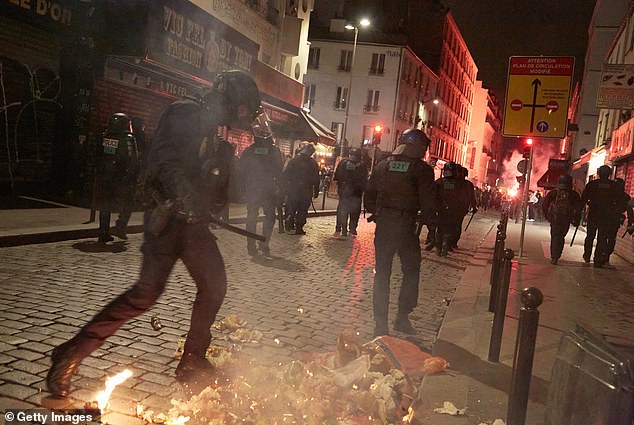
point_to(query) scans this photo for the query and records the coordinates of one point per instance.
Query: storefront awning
(312, 130)
(556, 168)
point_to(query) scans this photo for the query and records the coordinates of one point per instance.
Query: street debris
(495, 422)
(156, 324)
(354, 384)
(448, 408)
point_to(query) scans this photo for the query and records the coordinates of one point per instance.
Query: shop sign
(185, 37)
(45, 11)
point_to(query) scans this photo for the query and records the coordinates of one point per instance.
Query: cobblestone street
(313, 288)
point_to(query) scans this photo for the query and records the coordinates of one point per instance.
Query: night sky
(497, 29)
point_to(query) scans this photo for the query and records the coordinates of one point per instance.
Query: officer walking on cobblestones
(450, 199)
(467, 195)
(117, 162)
(562, 207)
(182, 190)
(400, 186)
(301, 182)
(260, 169)
(621, 212)
(351, 176)
(601, 195)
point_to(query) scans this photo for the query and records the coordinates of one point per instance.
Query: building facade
(81, 62)
(388, 85)
(606, 18)
(485, 138)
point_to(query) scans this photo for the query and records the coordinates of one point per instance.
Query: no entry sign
(537, 96)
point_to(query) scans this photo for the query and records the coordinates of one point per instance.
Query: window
(378, 63)
(368, 132)
(337, 128)
(313, 57)
(342, 98)
(372, 102)
(345, 61)
(309, 95)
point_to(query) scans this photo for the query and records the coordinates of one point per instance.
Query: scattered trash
(448, 408)
(156, 323)
(495, 422)
(447, 301)
(230, 322)
(434, 365)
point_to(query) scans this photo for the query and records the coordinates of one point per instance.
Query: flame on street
(104, 396)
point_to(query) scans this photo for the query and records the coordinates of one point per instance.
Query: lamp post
(364, 23)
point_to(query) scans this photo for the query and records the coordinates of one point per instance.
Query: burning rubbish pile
(356, 384)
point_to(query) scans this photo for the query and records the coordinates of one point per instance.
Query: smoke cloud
(542, 152)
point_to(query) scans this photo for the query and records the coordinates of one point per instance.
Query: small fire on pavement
(111, 383)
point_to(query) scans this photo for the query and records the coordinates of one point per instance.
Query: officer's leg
(409, 254)
(338, 224)
(613, 231)
(384, 249)
(355, 212)
(292, 208)
(127, 205)
(202, 258)
(591, 233)
(558, 233)
(302, 213)
(602, 243)
(342, 218)
(268, 206)
(159, 256)
(253, 209)
(104, 223)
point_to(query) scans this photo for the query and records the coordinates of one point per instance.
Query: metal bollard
(326, 187)
(504, 219)
(498, 254)
(500, 307)
(523, 359)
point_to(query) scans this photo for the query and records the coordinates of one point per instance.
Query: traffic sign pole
(525, 203)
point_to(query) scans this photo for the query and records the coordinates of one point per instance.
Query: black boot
(193, 368)
(64, 364)
(300, 230)
(288, 225)
(444, 249)
(120, 232)
(402, 324)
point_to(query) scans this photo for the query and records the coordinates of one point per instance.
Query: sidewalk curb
(48, 236)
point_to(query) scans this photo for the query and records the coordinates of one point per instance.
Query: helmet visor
(261, 126)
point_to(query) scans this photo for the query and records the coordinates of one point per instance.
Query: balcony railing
(371, 108)
(376, 71)
(339, 105)
(344, 68)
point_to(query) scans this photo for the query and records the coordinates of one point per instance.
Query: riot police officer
(350, 175)
(260, 168)
(601, 196)
(450, 198)
(117, 164)
(562, 207)
(183, 189)
(467, 196)
(400, 186)
(301, 182)
(621, 211)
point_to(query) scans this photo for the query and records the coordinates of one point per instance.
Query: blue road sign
(542, 126)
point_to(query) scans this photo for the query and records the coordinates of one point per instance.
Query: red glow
(377, 128)
(529, 142)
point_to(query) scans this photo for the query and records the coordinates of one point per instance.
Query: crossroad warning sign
(537, 96)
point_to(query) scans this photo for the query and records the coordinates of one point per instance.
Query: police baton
(472, 215)
(573, 235)
(313, 205)
(234, 229)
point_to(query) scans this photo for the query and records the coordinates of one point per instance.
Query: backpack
(561, 206)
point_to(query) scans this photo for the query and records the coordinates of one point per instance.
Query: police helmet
(119, 123)
(239, 88)
(306, 149)
(604, 172)
(450, 170)
(463, 171)
(564, 181)
(412, 143)
(354, 154)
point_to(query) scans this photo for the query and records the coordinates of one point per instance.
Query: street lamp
(364, 23)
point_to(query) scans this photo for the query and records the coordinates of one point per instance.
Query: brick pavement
(313, 288)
